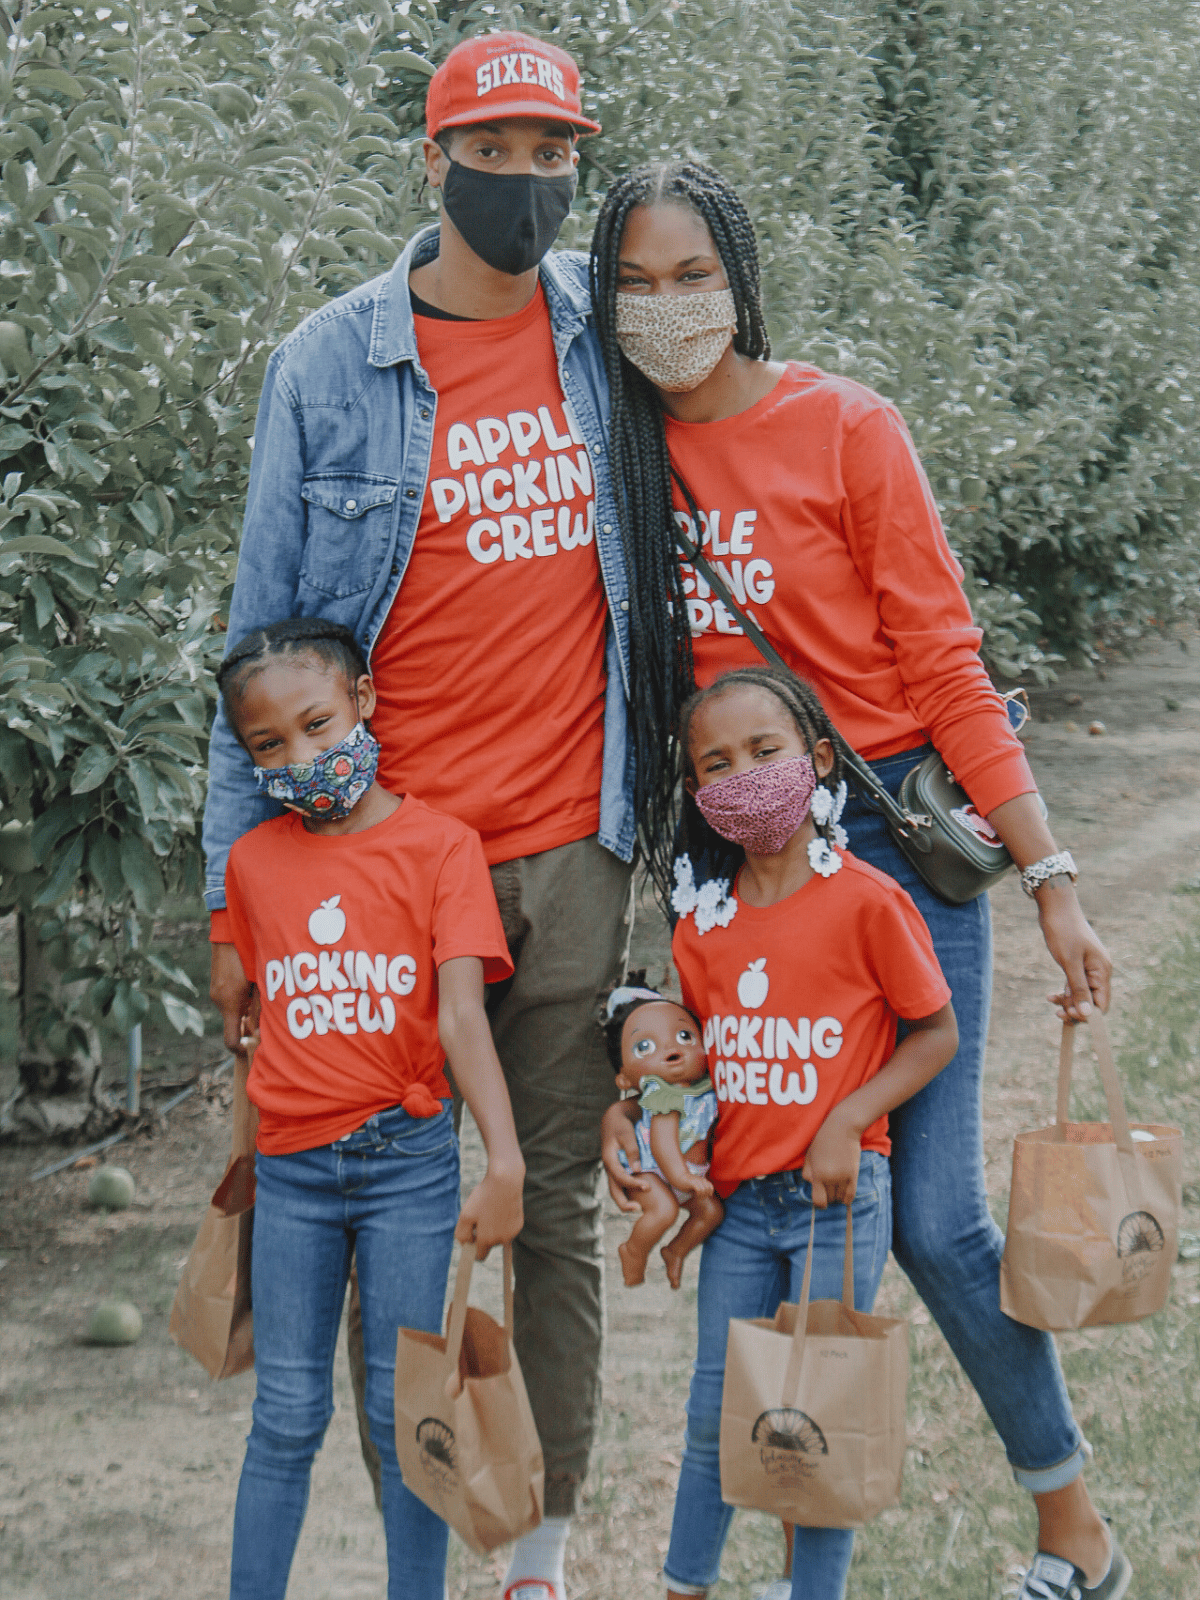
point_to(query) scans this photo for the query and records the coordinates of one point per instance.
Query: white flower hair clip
(712, 904)
(624, 993)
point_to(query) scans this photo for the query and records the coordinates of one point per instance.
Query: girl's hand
(493, 1213)
(831, 1165)
(616, 1134)
(1073, 943)
(696, 1185)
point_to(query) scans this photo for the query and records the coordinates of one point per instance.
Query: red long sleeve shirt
(820, 516)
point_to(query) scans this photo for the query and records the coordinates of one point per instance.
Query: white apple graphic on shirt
(327, 924)
(753, 985)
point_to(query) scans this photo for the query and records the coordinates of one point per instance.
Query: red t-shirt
(821, 519)
(799, 1003)
(490, 666)
(344, 935)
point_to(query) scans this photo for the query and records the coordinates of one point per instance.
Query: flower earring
(826, 810)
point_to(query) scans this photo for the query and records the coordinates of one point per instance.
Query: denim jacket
(341, 458)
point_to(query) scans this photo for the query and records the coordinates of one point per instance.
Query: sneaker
(781, 1589)
(532, 1589)
(1052, 1578)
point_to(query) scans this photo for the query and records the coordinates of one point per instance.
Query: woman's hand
(1069, 937)
(616, 1134)
(831, 1165)
(1073, 943)
(493, 1212)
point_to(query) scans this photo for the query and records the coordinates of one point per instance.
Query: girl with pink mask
(800, 961)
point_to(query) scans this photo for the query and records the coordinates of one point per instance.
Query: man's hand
(831, 1165)
(616, 1134)
(230, 989)
(493, 1213)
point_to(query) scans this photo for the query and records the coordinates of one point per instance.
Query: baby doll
(655, 1047)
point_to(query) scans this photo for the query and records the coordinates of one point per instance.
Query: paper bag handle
(1108, 1077)
(791, 1382)
(458, 1306)
(245, 1115)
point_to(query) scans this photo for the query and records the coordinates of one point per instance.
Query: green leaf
(63, 878)
(184, 1018)
(141, 873)
(93, 766)
(104, 864)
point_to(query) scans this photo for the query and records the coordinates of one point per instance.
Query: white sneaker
(781, 1589)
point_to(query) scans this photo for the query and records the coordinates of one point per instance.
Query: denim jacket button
(608, 527)
(425, 413)
(395, 568)
(351, 505)
(411, 493)
(624, 605)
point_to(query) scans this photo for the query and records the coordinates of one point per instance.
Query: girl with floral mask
(368, 925)
(805, 489)
(799, 961)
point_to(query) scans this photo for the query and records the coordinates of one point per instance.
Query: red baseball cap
(504, 75)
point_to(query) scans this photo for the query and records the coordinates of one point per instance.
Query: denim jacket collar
(393, 336)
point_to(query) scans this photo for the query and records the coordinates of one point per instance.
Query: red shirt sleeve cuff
(220, 927)
(1000, 780)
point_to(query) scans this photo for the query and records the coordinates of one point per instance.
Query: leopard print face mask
(675, 339)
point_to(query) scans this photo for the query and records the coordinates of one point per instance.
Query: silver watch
(1056, 866)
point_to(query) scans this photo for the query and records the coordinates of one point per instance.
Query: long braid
(661, 641)
(799, 699)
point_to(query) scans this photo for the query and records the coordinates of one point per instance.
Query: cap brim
(517, 108)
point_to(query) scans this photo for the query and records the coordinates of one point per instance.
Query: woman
(819, 512)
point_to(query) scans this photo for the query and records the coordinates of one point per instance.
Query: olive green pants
(566, 919)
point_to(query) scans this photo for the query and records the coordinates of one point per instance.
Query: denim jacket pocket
(349, 530)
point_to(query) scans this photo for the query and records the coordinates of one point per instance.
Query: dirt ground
(118, 1468)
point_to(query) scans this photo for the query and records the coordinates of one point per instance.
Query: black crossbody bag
(935, 826)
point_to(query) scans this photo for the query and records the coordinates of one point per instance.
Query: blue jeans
(753, 1261)
(387, 1193)
(943, 1233)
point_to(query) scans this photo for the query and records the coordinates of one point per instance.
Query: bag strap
(458, 1306)
(848, 1263)
(245, 1115)
(865, 780)
(1108, 1077)
(791, 1382)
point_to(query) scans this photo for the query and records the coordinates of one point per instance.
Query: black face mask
(509, 220)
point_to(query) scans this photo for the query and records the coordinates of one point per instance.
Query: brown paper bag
(812, 1420)
(1093, 1217)
(465, 1436)
(211, 1317)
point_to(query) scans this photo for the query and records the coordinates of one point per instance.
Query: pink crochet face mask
(760, 809)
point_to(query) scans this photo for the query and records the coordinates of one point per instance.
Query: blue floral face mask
(330, 786)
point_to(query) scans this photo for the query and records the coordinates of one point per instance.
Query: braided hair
(327, 642)
(660, 638)
(720, 857)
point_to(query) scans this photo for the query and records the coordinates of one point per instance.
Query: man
(430, 468)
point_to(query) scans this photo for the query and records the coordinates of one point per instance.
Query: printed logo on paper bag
(789, 1444)
(435, 1440)
(1139, 1240)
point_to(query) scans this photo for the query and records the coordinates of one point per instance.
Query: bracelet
(1056, 866)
